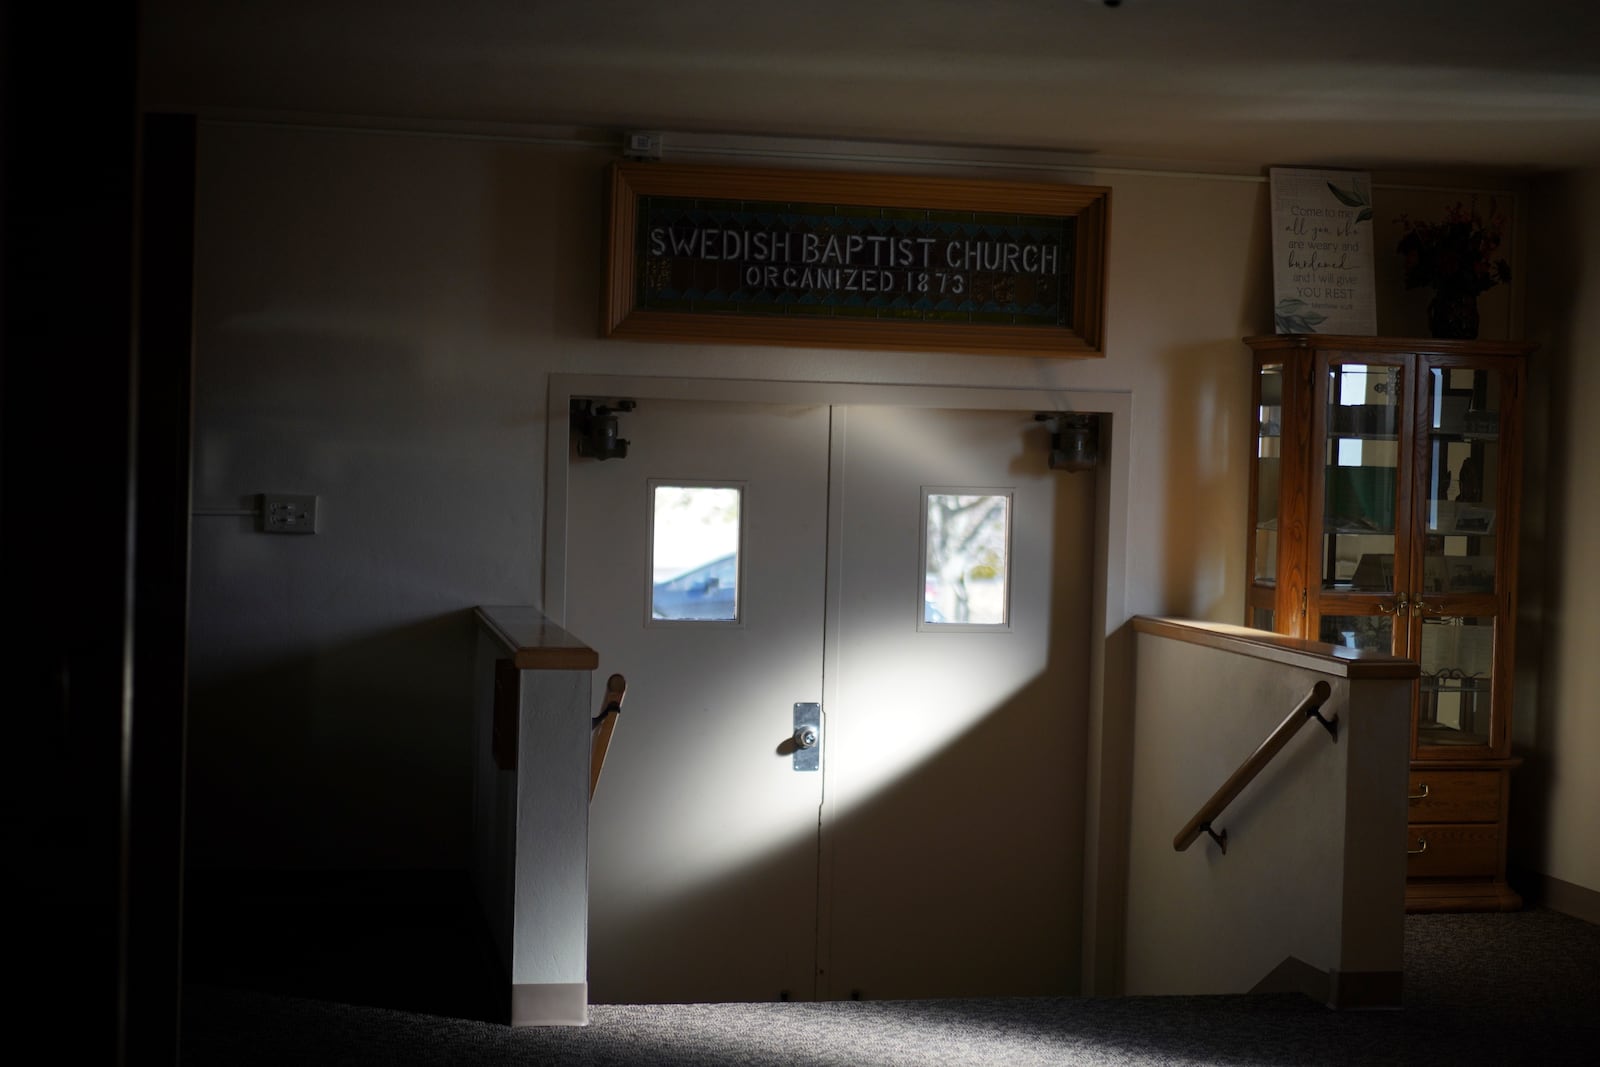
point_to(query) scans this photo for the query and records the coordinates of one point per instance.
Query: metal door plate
(807, 725)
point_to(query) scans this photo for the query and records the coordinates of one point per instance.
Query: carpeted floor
(1501, 989)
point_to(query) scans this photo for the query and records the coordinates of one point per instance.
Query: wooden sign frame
(1087, 208)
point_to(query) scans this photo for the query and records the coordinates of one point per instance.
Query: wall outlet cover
(288, 513)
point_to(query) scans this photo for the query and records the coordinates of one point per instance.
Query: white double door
(938, 850)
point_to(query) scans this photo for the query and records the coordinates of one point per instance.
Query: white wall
(377, 317)
(1555, 796)
(1301, 878)
(367, 314)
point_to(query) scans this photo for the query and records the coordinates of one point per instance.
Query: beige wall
(1301, 879)
(377, 316)
(1555, 797)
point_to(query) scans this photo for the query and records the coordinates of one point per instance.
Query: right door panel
(953, 826)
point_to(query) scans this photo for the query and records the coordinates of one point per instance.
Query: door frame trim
(1108, 744)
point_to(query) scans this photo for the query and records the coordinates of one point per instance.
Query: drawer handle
(1422, 846)
(1419, 796)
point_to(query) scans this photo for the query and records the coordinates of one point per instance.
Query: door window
(695, 537)
(966, 557)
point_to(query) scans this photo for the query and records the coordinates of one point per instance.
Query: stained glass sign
(757, 258)
(777, 257)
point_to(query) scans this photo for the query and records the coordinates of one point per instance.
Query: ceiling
(1379, 84)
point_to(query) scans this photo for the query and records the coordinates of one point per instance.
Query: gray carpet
(1519, 988)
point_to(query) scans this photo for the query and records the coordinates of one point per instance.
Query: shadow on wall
(347, 756)
(1555, 301)
(405, 940)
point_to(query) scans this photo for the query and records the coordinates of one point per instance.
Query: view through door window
(694, 552)
(966, 557)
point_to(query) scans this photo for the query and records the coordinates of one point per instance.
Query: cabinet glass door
(1456, 690)
(1462, 482)
(1269, 472)
(1457, 591)
(1370, 633)
(1361, 478)
(1273, 553)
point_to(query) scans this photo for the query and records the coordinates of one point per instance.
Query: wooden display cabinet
(1384, 498)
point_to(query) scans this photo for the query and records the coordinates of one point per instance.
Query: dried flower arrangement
(1461, 252)
(1458, 258)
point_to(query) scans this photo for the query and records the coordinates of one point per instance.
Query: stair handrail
(1309, 708)
(602, 725)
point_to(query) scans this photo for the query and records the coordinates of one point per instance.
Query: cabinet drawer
(1454, 796)
(1439, 850)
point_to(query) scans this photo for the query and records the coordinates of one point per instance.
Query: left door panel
(703, 836)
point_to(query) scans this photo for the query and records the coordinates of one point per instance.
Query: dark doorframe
(154, 747)
(94, 489)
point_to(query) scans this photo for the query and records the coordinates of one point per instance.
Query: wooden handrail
(602, 725)
(1306, 709)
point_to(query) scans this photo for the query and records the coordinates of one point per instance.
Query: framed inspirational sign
(822, 259)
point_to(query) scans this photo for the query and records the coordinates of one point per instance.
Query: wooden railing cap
(535, 642)
(1335, 660)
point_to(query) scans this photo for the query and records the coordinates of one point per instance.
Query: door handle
(807, 734)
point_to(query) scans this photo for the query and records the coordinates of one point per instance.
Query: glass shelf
(1474, 689)
(1436, 734)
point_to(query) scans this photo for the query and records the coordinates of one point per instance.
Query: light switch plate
(288, 513)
